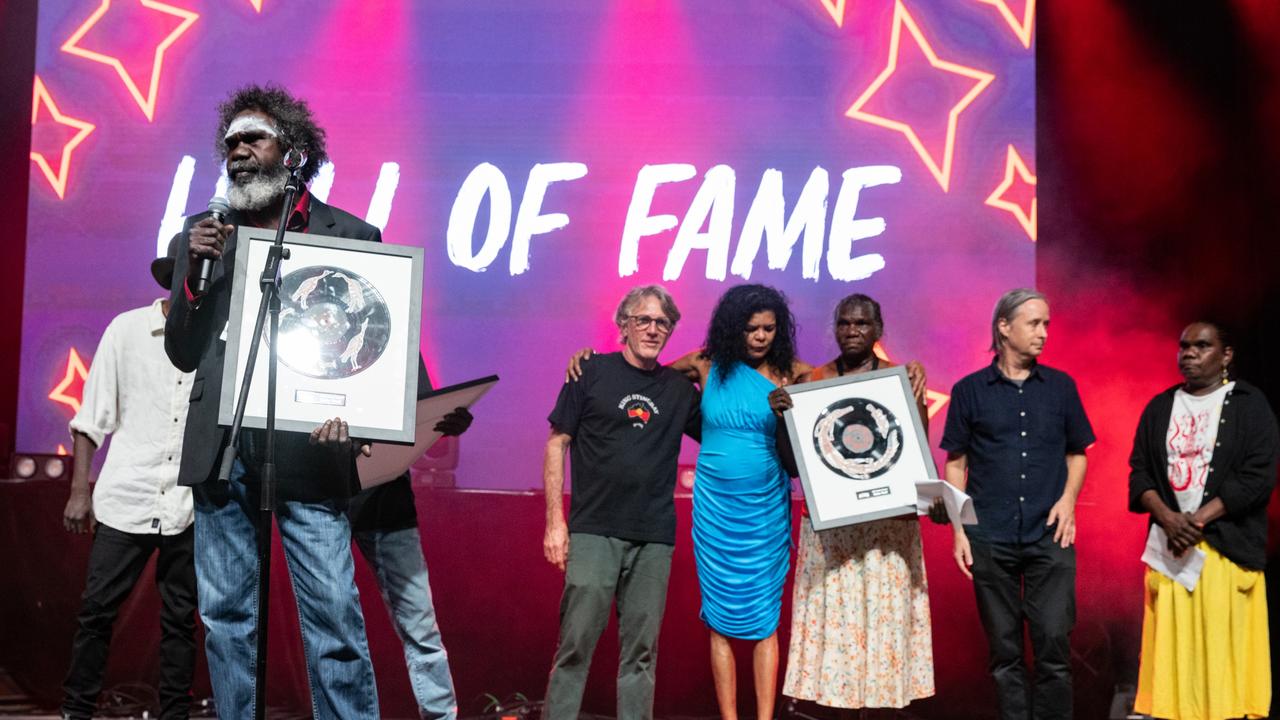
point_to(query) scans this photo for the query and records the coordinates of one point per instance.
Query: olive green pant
(601, 569)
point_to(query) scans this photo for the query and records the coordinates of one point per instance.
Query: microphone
(295, 159)
(219, 209)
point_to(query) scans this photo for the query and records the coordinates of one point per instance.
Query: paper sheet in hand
(389, 462)
(1184, 570)
(959, 505)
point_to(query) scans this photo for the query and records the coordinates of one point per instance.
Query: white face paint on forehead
(251, 124)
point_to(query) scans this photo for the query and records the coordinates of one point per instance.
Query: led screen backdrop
(548, 155)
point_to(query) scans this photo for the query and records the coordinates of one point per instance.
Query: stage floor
(497, 602)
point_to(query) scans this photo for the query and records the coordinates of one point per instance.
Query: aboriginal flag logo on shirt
(639, 409)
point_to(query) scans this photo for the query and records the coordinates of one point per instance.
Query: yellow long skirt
(1205, 654)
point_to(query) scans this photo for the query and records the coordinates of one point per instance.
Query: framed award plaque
(860, 446)
(350, 317)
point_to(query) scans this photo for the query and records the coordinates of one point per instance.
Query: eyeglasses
(642, 322)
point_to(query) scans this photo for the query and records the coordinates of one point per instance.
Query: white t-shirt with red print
(1192, 435)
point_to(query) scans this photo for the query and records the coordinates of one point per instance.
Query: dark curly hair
(726, 335)
(292, 116)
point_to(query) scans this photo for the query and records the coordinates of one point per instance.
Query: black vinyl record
(858, 438)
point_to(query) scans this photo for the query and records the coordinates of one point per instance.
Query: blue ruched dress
(741, 507)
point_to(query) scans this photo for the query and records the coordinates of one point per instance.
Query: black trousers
(116, 562)
(1033, 583)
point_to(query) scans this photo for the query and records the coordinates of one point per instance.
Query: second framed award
(860, 446)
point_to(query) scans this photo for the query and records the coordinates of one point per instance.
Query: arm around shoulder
(693, 365)
(800, 371)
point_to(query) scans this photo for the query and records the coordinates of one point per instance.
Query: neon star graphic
(71, 388)
(836, 8)
(1022, 28)
(147, 100)
(1027, 187)
(933, 400)
(941, 170)
(40, 98)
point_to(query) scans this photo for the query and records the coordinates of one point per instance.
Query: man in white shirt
(136, 507)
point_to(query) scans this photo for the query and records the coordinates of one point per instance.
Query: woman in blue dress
(742, 495)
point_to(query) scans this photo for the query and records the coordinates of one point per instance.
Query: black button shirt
(1016, 439)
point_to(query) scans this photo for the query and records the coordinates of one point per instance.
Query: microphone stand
(270, 303)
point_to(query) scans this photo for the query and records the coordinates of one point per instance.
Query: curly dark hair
(726, 335)
(292, 116)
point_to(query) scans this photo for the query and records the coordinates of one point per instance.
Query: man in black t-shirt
(622, 423)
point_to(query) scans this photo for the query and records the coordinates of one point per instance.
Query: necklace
(841, 369)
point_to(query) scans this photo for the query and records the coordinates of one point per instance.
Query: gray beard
(262, 189)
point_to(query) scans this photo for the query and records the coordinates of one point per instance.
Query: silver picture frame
(350, 322)
(860, 446)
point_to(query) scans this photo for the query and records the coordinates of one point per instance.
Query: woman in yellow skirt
(1203, 467)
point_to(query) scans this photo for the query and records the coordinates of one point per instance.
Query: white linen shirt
(134, 393)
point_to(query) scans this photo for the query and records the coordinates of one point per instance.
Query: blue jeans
(317, 548)
(396, 560)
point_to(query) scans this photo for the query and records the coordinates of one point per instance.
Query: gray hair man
(622, 423)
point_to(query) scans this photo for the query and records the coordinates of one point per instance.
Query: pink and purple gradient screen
(415, 96)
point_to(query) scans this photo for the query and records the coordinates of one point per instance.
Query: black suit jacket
(192, 341)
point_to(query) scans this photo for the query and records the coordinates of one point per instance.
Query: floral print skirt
(860, 631)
